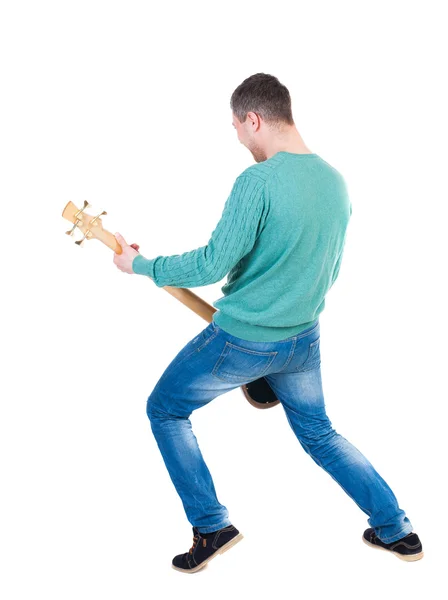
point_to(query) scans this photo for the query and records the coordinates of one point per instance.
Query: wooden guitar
(258, 393)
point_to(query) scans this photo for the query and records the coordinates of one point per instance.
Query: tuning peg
(88, 235)
(70, 232)
(97, 217)
(86, 204)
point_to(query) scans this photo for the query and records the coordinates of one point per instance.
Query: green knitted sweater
(280, 242)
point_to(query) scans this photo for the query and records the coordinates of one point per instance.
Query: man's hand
(124, 260)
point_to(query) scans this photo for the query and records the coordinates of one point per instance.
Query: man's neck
(292, 143)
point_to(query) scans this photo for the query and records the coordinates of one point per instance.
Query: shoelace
(195, 541)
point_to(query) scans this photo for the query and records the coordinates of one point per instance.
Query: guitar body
(258, 393)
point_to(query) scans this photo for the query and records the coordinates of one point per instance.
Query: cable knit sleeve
(233, 237)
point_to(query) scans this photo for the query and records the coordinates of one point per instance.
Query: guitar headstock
(91, 227)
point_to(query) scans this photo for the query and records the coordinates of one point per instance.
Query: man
(280, 240)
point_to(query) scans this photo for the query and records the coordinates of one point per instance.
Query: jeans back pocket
(237, 364)
(312, 360)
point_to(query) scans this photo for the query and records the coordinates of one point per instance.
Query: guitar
(258, 393)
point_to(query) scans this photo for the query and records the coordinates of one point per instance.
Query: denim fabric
(215, 362)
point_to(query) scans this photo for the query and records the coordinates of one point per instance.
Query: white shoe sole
(406, 557)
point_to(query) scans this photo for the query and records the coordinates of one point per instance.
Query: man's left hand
(125, 259)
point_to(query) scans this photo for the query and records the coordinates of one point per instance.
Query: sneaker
(205, 547)
(407, 548)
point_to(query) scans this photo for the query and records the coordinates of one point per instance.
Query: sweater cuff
(143, 266)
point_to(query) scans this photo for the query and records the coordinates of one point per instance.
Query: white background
(126, 105)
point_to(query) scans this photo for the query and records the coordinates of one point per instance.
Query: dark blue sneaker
(205, 547)
(407, 548)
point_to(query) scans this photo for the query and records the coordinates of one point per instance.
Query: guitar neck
(92, 228)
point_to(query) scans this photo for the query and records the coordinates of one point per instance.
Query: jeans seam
(209, 339)
(291, 353)
(256, 352)
(338, 482)
(309, 358)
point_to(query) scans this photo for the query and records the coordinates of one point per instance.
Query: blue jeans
(215, 362)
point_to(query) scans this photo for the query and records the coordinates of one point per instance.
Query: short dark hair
(265, 95)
